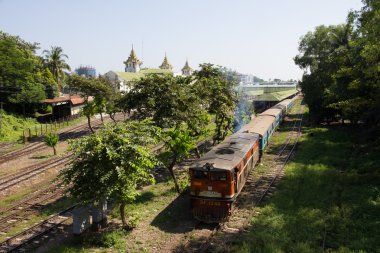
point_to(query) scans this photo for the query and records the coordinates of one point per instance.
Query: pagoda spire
(187, 70)
(132, 64)
(165, 64)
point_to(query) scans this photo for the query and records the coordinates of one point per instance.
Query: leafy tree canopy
(23, 77)
(113, 163)
(342, 67)
(218, 96)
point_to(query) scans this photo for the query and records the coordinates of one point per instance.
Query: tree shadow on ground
(144, 197)
(177, 217)
(177, 212)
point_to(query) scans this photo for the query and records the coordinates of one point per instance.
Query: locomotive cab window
(198, 174)
(218, 176)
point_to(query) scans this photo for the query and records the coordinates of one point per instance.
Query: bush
(134, 219)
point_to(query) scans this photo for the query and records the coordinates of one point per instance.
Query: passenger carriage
(277, 113)
(264, 125)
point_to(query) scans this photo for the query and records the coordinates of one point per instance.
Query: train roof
(285, 102)
(272, 111)
(259, 124)
(228, 154)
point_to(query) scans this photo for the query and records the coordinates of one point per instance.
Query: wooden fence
(43, 129)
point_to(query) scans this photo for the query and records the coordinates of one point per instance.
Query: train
(217, 178)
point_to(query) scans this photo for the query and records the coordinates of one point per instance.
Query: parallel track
(8, 181)
(20, 240)
(31, 205)
(38, 146)
(25, 210)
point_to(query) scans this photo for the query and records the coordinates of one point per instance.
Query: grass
(48, 210)
(111, 240)
(153, 216)
(328, 201)
(12, 127)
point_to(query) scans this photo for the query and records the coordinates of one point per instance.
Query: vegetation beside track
(12, 126)
(328, 200)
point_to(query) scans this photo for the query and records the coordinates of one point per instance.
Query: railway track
(21, 240)
(8, 181)
(33, 204)
(23, 211)
(71, 133)
(5, 146)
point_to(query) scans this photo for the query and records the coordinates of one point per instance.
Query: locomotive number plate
(209, 203)
(211, 194)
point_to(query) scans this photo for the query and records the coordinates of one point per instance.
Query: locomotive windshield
(212, 175)
(198, 174)
(218, 176)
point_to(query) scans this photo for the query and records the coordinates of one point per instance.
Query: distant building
(246, 79)
(86, 71)
(66, 105)
(134, 71)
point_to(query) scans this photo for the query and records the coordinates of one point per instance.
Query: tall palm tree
(55, 61)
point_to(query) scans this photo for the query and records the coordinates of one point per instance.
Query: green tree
(321, 53)
(94, 91)
(55, 61)
(341, 66)
(160, 97)
(51, 140)
(179, 143)
(24, 80)
(218, 96)
(113, 163)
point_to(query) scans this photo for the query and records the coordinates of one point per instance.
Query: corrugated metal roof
(75, 99)
(228, 154)
(276, 96)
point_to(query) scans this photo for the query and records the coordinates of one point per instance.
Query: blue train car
(286, 104)
(264, 125)
(275, 112)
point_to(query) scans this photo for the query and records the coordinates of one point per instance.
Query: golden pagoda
(165, 64)
(132, 64)
(187, 70)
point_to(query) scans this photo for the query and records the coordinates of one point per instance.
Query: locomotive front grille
(211, 214)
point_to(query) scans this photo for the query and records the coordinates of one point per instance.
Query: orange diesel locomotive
(218, 177)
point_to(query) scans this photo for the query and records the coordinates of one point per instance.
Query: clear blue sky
(251, 36)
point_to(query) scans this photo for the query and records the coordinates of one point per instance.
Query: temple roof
(187, 67)
(133, 58)
(165, 64)
(129, 76)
